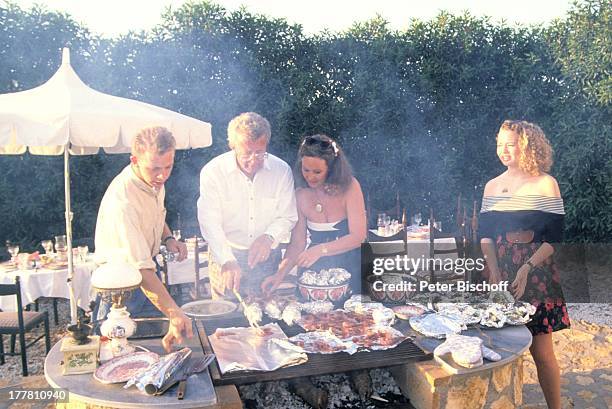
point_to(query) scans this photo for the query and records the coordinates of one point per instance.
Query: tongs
(244, 310)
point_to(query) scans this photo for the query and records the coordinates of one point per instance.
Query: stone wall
(428, 386)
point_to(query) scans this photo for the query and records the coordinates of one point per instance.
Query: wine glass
(418, 219)
(47, 245)
(83, 252)
(176, 234)
(13, 249)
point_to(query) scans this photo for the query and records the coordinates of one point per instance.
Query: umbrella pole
(73, 306)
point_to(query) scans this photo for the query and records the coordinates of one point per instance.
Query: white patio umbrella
(65, 116)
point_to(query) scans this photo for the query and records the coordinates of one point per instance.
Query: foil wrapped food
(465, 312)
(317, 307)
(437, 325)
(518, 313)
(151, 379)
(292, 313)
(332, 276)
(248, 349)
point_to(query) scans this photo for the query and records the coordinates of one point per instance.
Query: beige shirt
(234, 210)
(130, 221)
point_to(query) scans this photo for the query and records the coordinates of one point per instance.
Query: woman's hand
(271, 283)
(310, 256)
(494, 276)
(517, 288)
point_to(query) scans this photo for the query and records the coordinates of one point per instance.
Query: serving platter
(208, 308)
(122, 368)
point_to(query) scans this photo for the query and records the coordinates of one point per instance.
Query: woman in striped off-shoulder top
(521, 222)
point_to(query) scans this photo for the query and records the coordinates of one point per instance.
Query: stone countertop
(510, 342)
(84, 388)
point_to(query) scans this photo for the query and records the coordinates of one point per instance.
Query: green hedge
(416, 110)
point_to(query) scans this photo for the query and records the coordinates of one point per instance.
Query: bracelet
(324, 249)
(530, 264)
(165, 239)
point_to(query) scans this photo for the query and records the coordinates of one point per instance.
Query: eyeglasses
(253, 155)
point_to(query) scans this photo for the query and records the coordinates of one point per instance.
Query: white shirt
(130, 221)
(234, 210)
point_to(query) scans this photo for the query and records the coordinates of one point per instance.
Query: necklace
(318, 204)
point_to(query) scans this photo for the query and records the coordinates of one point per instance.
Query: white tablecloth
(49, 283)
(184, 271)
(416, 247)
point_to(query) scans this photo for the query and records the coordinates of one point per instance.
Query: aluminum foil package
(518, 313)
(332, 276)
(253, 313)
(249, 349)
(292, 313)
(468, 314)
(437, 325)
(152, 379)
(493, 316)
(273, 309)
(315, 307)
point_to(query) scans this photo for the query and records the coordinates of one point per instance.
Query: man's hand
(177, 247)
(271, 283)
(180, 326)
(260, 250)
(230, 277)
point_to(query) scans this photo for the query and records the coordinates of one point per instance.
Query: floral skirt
(543, 289)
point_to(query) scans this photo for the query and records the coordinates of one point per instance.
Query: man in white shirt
(246, 206)
(131, 224)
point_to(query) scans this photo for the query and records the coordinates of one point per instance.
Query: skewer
(244, 309)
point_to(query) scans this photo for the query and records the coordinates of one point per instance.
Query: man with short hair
(131, 224)
(246, 207)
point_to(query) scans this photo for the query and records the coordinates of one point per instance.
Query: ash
(276, 394)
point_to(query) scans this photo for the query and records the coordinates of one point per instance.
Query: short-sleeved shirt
(130, 221)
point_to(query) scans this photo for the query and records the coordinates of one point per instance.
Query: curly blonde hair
(156, 139)
(536, 154)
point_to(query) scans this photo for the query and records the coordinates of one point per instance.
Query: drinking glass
(60, 243)
(47, 245)
(13, 249)
(418, 219)
(176, 234)
(380, 223)
(438, 226)
(83, 252)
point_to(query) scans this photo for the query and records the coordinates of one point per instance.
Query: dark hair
(339, 172)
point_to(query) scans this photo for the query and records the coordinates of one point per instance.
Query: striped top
(541, 214)
(528, 202)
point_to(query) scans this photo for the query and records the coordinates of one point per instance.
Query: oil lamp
(115, 280)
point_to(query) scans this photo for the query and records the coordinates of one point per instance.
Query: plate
(7, 267)
(122, 368)
(208, 308)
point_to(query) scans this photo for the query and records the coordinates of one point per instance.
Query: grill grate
(317, 364)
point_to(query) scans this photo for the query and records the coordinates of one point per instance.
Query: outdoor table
(415, 247)
(84, 389)
(44, 282)
(441, 383)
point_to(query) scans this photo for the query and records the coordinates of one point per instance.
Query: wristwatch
(165, 239)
